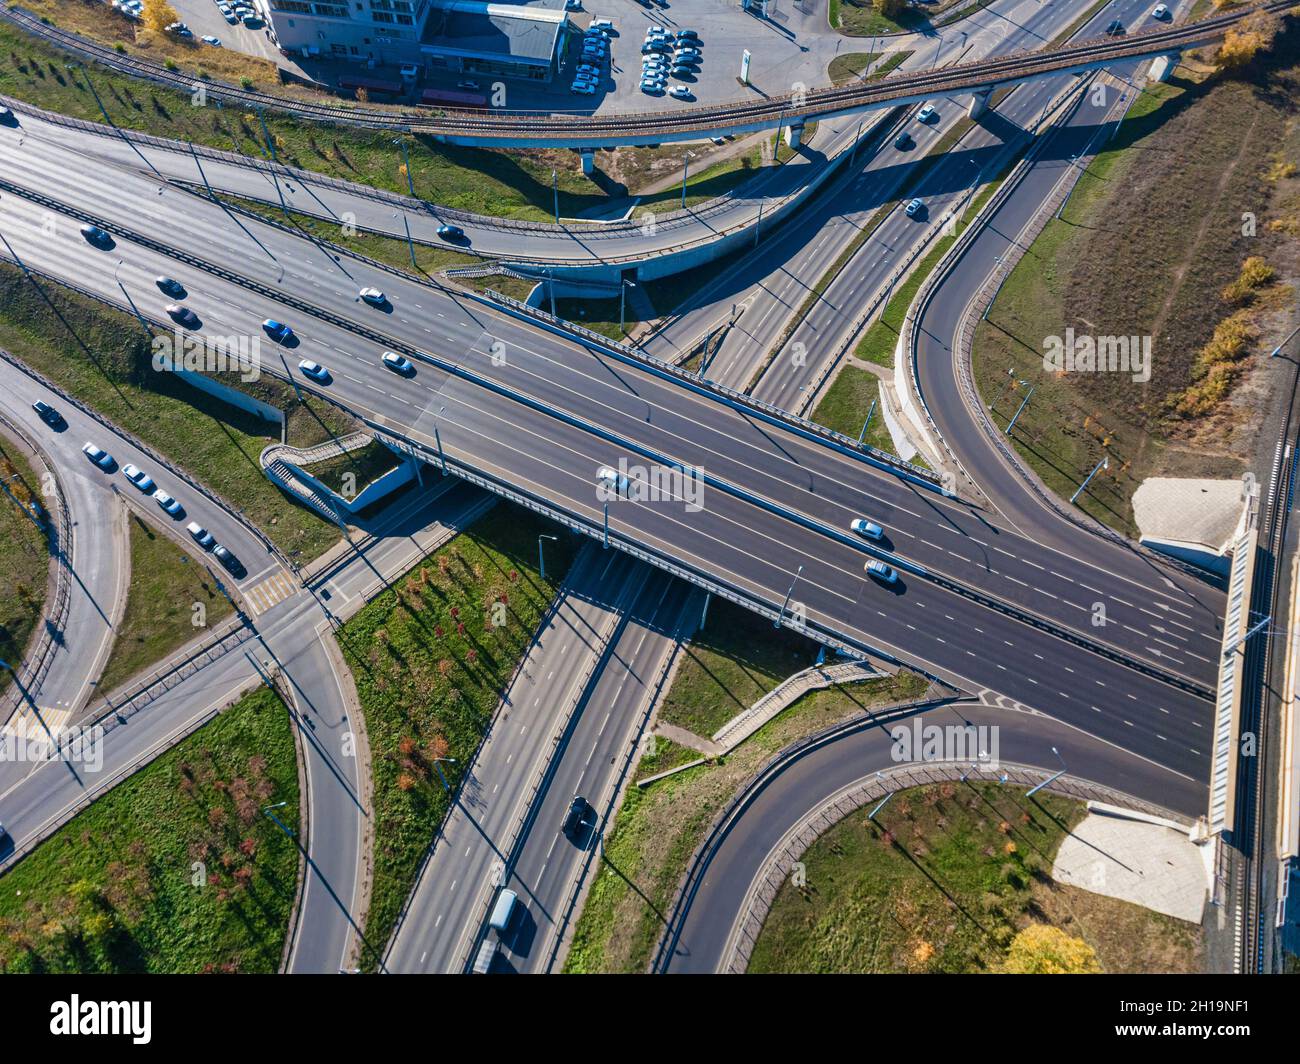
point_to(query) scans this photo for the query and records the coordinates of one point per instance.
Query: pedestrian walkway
(275, 588)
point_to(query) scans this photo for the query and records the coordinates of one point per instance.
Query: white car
(652, 88)
(202, 536)
(169, 505)
(681, 92)
(870, 529)
(98, 455)
(314, 370)
(612, 479)
(373, 296)
(913, 208)
(925, 113)
(583, 88)
(139, 478)
(1161, 12)
(207, 38)
(397, 363)
(882, 572)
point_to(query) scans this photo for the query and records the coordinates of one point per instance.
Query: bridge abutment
(588, 161)
(979, 103)
(794, 134)
(1163, 65)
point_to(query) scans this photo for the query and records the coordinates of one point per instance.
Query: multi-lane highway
(765, 483)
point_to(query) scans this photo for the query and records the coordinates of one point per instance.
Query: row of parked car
(662, 54)
(239, 11)
(595, 54)
(144, 483)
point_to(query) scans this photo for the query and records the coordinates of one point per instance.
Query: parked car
(202, 536)
(583, 88)
(139, 478)
(168, 505)
(179, 29)
(880, 571)
(468, 85)
(602, 24)
(207, 38)
(373, 296)
(1115, 28)
(98, 455)
(47, 413)
(687, 35)
(233, 565)
(870, 529)
(314, 370)
(452, 232)
(652, 88)
(681, 92)
(397, 363)
(277, 331)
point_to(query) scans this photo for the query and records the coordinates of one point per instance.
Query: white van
(503, 910)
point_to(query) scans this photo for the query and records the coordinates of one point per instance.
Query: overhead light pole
(777, 622)
(1103, 464)
(541, 558)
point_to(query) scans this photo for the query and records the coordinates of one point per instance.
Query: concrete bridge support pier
(979, 103)
(794, 134)
(588, 161)
(1162, 66)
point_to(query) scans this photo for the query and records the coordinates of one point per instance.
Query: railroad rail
(521, 128)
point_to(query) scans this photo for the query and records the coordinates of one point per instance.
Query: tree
(889, 8)
(158, 15)
(1243, 42)
(1044, 950)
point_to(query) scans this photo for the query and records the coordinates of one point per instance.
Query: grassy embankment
(24, 562)
(176, 869)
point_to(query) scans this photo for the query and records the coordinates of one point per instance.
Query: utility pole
(1103, 464)
(541, 557)
(555, 191)
(1023, 404)
(685, 158)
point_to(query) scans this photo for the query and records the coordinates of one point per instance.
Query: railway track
(524, 126)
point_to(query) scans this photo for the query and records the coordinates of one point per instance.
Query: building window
(405, 20)
(381, 16)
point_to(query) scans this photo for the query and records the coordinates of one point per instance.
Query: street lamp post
(777, 622)
(541, 558)
(622, 301)
(1103, 464)
(406, 163)
(438, 768)
(1024, 402)
(685, 158)
(1278, 350)
(1050, 779)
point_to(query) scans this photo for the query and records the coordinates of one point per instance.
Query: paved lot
(1147, 864)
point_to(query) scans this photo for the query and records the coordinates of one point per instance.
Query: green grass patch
(941, 881)
(101, 356)
(115, 889)
(859, 18)
(657, 828)
(430, 664)
(844, 406)
(167, 586)
(736, 659)
(25, 560)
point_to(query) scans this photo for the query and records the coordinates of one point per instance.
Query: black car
(575, 820)
(97, 236)
(1115, 29)
(903, 141)
(232, 564)
(47, 414)
(452, 232)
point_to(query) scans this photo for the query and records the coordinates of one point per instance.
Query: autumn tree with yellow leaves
(1041, 949)
(158, 15)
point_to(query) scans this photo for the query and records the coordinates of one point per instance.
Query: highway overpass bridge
(588, 132)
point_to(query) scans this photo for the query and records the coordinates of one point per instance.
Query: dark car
(903, 141)
(1115, 28)
(452, 232)
(277, 331)
(182, 315)
(97, 236)
(171, 286)
(47, 414)
(226, 558)
(575, 820)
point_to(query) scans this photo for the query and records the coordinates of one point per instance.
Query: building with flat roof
(523, 40)
(514, 40)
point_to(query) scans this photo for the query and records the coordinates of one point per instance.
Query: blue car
(277, 331)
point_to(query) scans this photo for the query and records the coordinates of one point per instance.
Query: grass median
(25, 560)
(658, 828)
(431, 657)
(169, 592)
(174, 870)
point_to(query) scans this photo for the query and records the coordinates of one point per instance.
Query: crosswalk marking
(38, 724)
(275, 588)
